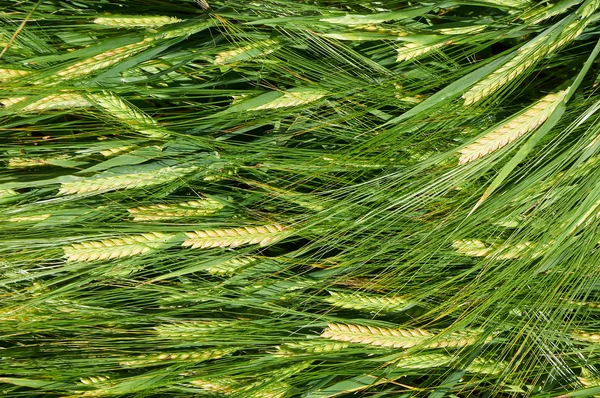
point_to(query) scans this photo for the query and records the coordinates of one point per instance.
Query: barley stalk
(514, 128)
(292, 98)
(125, 181)
(135, 21)
(527, 56)
(124, 246)
(366, 302)
(250, 51)
(128, 114)
(51, 102)
(189, 356)
(234, 237)
(398, 338)
(192, 208)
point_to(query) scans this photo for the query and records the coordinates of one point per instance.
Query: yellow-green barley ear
(292, 98)
(487, 366)
(313, 346)
(185, 356)
(7, 193)
(117, 150)
(590, 337)
(399, 338)
(248, 52)
(104, 183)
(230, 267)
(94, 379)
(32, 218)
(104, 60)
(234, 237)
(222, 385)
(513, 128)
(124, 246)
(11, 74)
(128, 114)
(588, 379)
(472, 248)
(136, 21)
(166, 211)
(424, 361)
(367, 302)
(416, 50)
(64, 101)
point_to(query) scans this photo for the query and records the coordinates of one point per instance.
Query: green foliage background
(342, 248)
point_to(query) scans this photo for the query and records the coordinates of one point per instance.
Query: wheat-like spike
(250, 51)
(379, 336)
(416, 50)
(125, 181)
(292, 98)
(526, 57)
(588, 8)
(424, 361)
(136, 21)
(463, 30)
(234, 237)
(51, 102)
(21, 162)
(125, 112)
(39, 217)
(271, 390)
(472, 248)
(221, 385)
(220, 173)
(191, 208)
(588, 379)
(117, 150)
(6, 193)
(514, 128)
(104, 60)
(589, 337)
(230, 267)
(192, 329)
(399, 338)
(10, 74)
(186, 356)
(94, 379)
(487, 366)
(310, 347)
(123, 246)
(366, 302)
(582, 303)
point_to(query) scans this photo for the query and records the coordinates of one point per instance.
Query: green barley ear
(589, 337)
(192, 329)
(191, 208)
(399, 338)
(94, 379)
(513, 128)
(254, 50)
(367, 302)
(411, 51)
(424, 361)
(234, 237)
(185, 356)
(232, 266)
(11, 74)
(487, 366)
(310, 347)
(124, 246)
(531, 53)
(129, 115)
(124, 181)
(65, 101)
(291, 99)
(136, 21)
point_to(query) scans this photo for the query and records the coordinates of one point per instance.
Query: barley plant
(299, 198)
